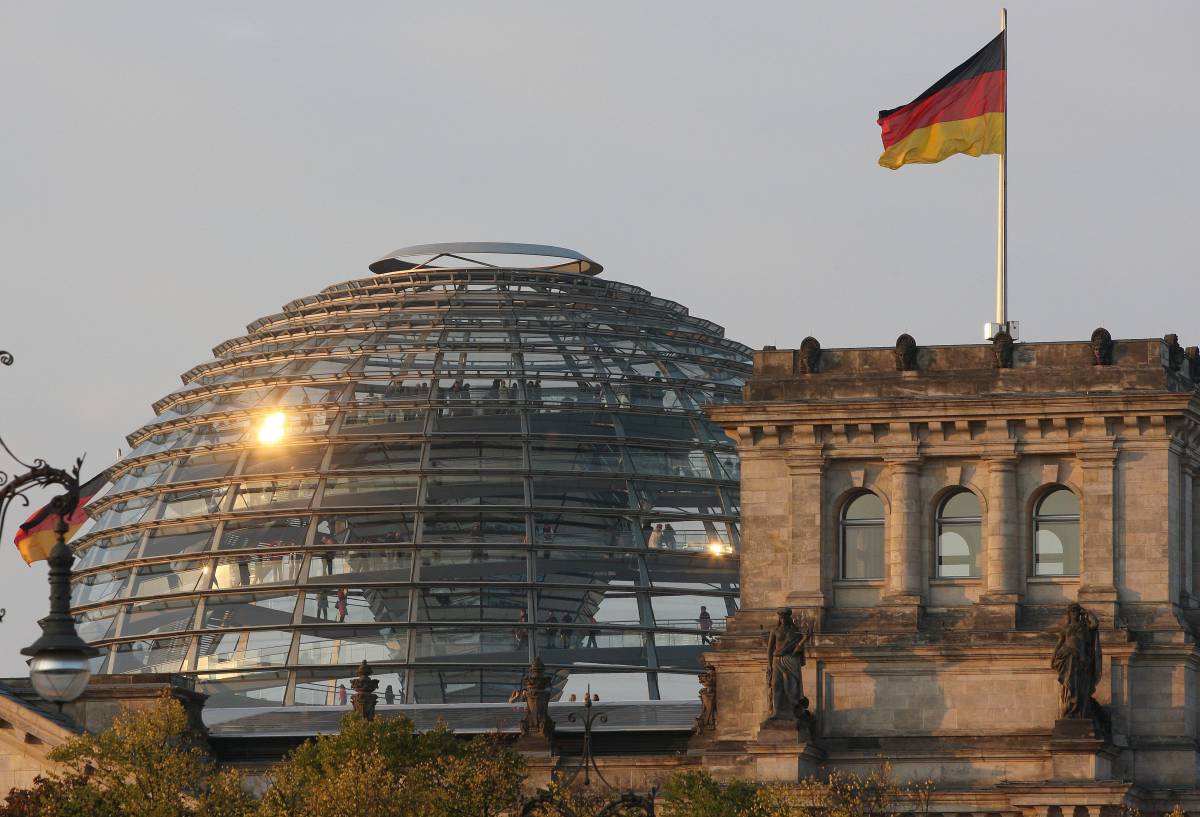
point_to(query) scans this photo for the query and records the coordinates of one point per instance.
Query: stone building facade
(933, 512)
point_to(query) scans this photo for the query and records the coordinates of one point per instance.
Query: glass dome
(446, 471)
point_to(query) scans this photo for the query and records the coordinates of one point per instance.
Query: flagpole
(1002, 203)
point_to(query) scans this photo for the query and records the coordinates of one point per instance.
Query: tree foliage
(147, 764)
(383, 767)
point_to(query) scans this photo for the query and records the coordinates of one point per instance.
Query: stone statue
(364, 698)
(1078, 662)
(906, 353)
(707, 722)
(810, 355)
(785, 657)
(1102, 347)
(537, 701)
(1002, 350)
(1175, 352)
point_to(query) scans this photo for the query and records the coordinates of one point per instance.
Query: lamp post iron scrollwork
(59, 665)
(627, 802)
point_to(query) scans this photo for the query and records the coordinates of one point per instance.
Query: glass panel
(393, 527)
(583, 530)
(451, 489)
(1056, 549)
(356, 605)
(566, 645)
(461, 528)
(658, 428)
(243, 650)
(151, 655)
(384, 421)
(679, 498)
(158, 617)
(378, 490)
(862, 551)
(282, 459)
(474, 454)
(192, 502)
(95, 625)
(206, 466)
(98, 587)
(673, 686)
(350, 645)
(278, 494)
(232, 689)
(468, 645)
(476, 565)
(170, 577)
(959, 546)
(333, 688)
(963, 505)
(474, 421)
(588, 568)
(582, 423)
(493, 685)
(865, 507)
(282, 532)
(357, 456)
(671, 462)
(178, 540)
(256, 570)
(1061, 502)
(706, 613)
(242, 610)
(450, 603)
(337, 567)
(611, 605)
(142, 476)
(106, 551)
(700, 571)
(584, 493)
(125, 512)
(593, 457)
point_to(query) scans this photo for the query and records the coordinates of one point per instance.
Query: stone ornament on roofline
(810, 355)
(1102, 347)
(906, 353)
(1002, 350)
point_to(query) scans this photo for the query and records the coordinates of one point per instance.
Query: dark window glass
(567, 492)
(230, 611)
(283, 532)
(450, 565)
(474, 454)
(365, 529)
(178, 540)
(152, 655)
(340, 566)
(367, 491)
(579, 529)
(449, 489)
(459, 528)
(582, 456)
(158, 617)
(359, 456)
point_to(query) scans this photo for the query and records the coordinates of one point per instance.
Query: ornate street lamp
(59, 666)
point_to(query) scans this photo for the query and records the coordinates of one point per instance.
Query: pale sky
(173, 171)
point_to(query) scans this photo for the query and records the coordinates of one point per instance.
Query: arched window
(1056, 534)
(959, 536)
(862, 538)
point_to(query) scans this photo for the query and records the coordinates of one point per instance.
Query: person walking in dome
(341, 604)
(705, 621)
(389, 697)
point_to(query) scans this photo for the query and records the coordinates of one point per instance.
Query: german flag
(963, 112)
(36, 535)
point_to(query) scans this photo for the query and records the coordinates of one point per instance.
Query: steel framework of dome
(445, 470)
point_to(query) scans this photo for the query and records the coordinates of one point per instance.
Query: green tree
(698, 794)
(147, 764)
(383, 767)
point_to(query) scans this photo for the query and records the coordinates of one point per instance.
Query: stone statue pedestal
(1078, 751)
(996, 611)
(785, 751)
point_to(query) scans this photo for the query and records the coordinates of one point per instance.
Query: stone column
(904, 558)
(997, 609)
(1097, 548)
(809, 578)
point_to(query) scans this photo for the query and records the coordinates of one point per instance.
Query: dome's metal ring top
(395, 261)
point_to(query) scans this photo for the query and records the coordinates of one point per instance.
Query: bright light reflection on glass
(272, 428)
